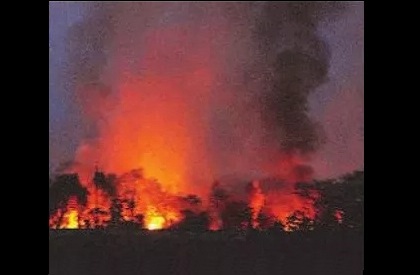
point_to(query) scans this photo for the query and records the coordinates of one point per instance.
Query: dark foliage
(193, 222)
(62, 188)
(105, 182)
(116, 213)
(237, 214)
(298, 221)
(266, 221)
(329, 244)
(339, 203)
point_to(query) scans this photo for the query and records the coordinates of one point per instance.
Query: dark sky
(338, 104)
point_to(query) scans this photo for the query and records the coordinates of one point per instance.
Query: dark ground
(77, 252)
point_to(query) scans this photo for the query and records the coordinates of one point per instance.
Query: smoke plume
(294, 62)
(194, 92)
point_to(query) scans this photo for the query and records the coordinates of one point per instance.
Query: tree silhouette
(298, 221)
(237, 214)
(62, 188)
(194, 222)
(98, 216)
(218, 195)
(278, 226)
(105, 182)
(131, 204)
(265, 221)
(116, 213)
(339, 203)
(139, 219)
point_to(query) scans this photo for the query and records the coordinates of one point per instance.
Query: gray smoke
(269, 59)
(296, 61)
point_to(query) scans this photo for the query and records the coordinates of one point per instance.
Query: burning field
(197, 117)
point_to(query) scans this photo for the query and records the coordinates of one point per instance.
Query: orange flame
(155, 222)
(67, 219)
(257, 200)
(153, 124)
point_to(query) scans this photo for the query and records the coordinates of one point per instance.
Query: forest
(329, 242)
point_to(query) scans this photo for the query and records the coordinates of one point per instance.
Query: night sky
(338, 104)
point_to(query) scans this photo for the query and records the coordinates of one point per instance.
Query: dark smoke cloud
(285, 106)
(298, 63)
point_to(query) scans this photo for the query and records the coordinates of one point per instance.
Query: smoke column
(193, 92)
(294, 60)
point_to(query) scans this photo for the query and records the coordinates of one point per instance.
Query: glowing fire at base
(72, 219)
(155, 223)
(153, 219)
(134, 199)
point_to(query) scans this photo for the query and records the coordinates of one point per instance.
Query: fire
(290, 168)
(67, 218)
(133, 198)
(155, 223)
(215, 224)
(257, 200)
(158, 115)
(72, 219)
(153, 125)
(339, 215)
(154, 220)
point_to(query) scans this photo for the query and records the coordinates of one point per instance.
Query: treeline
(338, 205)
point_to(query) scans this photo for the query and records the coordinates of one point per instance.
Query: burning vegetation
(130, 200)
(192, 92)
